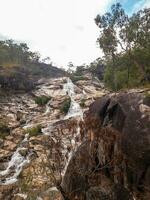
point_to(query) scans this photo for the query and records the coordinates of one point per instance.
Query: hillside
(26, 77)
(79, 134)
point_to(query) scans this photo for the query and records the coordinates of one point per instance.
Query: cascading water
(48, 107)
(15, 165)
(75, 109)
(74, 145)
(18, 161)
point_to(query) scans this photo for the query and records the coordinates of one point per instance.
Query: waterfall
(76, 112)
(18, 161)
(75, 146)
(15, 165)
(75, 109)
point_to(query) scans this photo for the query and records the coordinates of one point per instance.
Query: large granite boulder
(113, 162)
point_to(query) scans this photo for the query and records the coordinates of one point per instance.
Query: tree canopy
(125, 42)
(16, 53)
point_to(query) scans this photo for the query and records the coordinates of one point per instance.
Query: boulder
(7, 191)
(113, 162)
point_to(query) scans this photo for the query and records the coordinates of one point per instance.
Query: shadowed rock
(113, 162)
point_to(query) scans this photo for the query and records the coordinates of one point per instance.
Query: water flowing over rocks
(98, 150)
(39, 162)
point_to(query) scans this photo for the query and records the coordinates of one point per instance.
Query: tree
(70, 67)
(13, 53)
(108, 41)
(35, 57)
(120, 35)
(46, 60)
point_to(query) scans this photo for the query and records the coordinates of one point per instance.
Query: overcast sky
(64, 30)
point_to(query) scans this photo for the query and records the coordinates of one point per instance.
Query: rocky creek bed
(33, 165)
(96, 150)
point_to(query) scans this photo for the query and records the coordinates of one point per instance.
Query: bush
(66, 105)
(42, 100)
(77, 78)
(34, 131)
(82, 103)
(4, 130)
(120, 79)
(147, 94)
(147, 98)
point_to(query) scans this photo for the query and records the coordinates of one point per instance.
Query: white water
(74, 145)
(48, 108)
(15, 165)
(75, 109)
(17, 162)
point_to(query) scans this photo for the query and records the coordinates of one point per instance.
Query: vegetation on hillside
(65, 106)
(20, 68)
(125, 42)
(42, 100)
(12, 53)
(4, 130)
(82, 103)
(34, 131)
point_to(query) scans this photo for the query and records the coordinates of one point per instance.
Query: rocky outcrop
(25, 77)
(113, 161)
(15, 78)
(49, 151)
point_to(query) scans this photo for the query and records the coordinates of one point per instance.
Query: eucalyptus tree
(121, 34)
(110, 25)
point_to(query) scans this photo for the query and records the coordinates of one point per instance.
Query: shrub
(65, 106)
(4, 130)
(77, 78)
(34, 131)
(42, 100)
(82, 103)
(147, 98)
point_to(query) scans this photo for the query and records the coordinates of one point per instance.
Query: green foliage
(124, 79)
(65, 106)
(147, 95)
(97, 68)
(125, 42)
(80, 70)
(12, 53)
(75, 78)
(34, 131)
(42, 100)
(147, 98)
(4, 130)
(108, 78)
(82, 103)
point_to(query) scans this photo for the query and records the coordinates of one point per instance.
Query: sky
(64, 30)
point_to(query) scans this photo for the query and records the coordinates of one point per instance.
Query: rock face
(113, 161)
(24, 78)
(33, 162)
